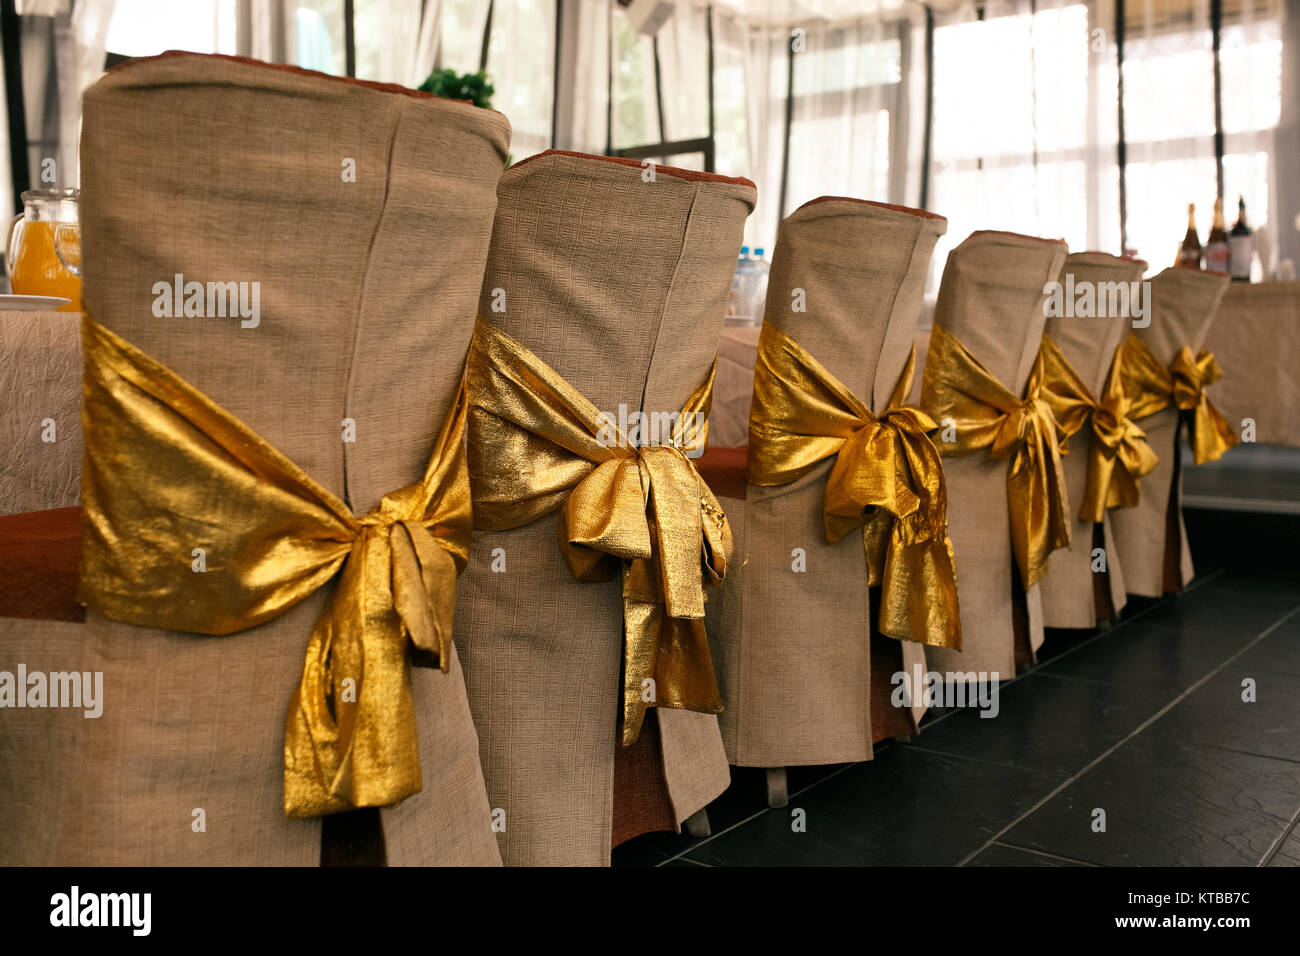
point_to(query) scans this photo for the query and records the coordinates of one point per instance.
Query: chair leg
(778, 794)
(697, 824)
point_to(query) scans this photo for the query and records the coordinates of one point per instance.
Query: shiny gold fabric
(887, 480)
(1115, 439)
(956, 388)
(168, 471)
(538, 446)
(1149, 387)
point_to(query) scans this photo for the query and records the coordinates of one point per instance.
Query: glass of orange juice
(31, 256)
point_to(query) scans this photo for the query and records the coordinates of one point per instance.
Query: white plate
(31, 303)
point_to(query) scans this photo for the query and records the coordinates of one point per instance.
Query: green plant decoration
(474, 87)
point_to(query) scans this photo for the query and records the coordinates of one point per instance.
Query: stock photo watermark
(1098, 300)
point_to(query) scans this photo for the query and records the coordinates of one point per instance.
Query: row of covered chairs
(1058, 436)
(378, 580)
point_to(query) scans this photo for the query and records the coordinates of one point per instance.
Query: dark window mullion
(350, 38)
(1121, 145)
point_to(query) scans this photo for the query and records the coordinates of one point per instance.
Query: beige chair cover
(1256, 338)
(1072, 595)
(620, 285)
(793, 649)
(1151, 537)
(991, 298)
(227, 170)
(40, 399)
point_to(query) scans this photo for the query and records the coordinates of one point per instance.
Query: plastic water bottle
(740, 304)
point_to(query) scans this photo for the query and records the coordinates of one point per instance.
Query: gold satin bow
(538, 445)
(1115, 439)
(195, 523)
(1150, 387)
(887, 480)
(956, 389)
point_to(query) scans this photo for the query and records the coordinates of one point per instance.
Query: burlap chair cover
(619, 284)
(991, 298)
(40, 400)
(1151, 537)
(1073, 595)
(226, 170)
(1256, 337)
(793, 649)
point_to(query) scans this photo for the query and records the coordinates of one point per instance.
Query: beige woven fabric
(733, 386)
(223, 170)
(1089, 345)
(991, 298)
(1256, 338)
(1184, 303)
(792, 647)
(620, 285)
(40, 382)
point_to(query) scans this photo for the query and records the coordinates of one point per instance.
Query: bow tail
(350, 737)
(918, 581)
(1039, 505)
(1211, 433)
(666, 660)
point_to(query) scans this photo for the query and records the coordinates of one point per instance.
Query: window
(150, 27)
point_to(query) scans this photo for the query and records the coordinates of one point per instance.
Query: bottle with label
(758, 292)
(737, 308)
(1189, 254)
(1241, 246)
(1216, 247)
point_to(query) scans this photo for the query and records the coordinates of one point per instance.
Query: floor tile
(1215, 713)
(1288, 854)
(1000, 855)
(1045, 723)
(904, 808)
(1278, 653)
(746, 796)
(1168, 804)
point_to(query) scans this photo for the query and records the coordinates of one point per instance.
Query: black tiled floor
(1001, 855)
(1168, 803)
(1144, 720)
(915, 815)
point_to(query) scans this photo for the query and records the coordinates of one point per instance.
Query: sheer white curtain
(521, 65)
(846, 98)
(1168, 124)
(1169, 119)
(635, 111)
(79, 59)
(589, 129)
(767, 71)
(683, 44)
(1025, 118)
(1250, 56)
(460, 26)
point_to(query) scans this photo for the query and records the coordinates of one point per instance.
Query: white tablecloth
(40, 398)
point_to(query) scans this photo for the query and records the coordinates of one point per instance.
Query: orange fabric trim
(300, 71)
(911, 211)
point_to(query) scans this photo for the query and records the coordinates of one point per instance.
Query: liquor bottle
(1241, 247)
(1189, 255)
(1216, 247)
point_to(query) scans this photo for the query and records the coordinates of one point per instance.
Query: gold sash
(887, 480)
(1150, 387)
(1115, 439)
(956, 388)
(538, 445)
(195, 523)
